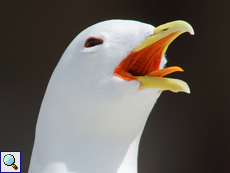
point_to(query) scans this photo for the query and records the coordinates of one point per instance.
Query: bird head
(127, 52)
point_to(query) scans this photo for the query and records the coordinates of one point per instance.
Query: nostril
(165, 29)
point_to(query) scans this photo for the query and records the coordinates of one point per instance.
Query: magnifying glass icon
(9, 160)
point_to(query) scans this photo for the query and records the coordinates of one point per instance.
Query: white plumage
(91, 120)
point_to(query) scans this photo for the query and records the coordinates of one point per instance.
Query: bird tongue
(165, 71)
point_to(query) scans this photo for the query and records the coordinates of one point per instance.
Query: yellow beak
(175, 29)
(143, 63)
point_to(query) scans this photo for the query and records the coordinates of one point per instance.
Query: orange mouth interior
(145, 62)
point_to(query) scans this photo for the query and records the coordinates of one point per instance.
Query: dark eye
(90, 42)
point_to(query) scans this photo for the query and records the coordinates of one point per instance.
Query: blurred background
(185, 132)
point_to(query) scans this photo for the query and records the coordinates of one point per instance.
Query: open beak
(143, 63)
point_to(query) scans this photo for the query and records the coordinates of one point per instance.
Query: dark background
(184, 133)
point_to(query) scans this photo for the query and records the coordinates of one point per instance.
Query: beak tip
(186, 89)
(192, 32)
(190, 29)
(188, 92)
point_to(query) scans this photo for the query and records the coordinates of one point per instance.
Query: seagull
(100, 95)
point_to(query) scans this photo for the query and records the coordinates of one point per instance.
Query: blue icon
(9, 160)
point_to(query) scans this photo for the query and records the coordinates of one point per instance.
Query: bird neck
(107, 155)
(129, 163)
(93, 132)
(86, 154)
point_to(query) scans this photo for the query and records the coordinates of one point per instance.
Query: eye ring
(92, 41)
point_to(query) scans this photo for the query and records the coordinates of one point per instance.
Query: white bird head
(100, 95)
(125, 49)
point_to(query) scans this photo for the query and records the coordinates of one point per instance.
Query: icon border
(18, 166)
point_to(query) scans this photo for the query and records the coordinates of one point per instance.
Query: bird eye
(91, 42)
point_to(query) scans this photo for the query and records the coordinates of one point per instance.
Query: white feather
(90, 120)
